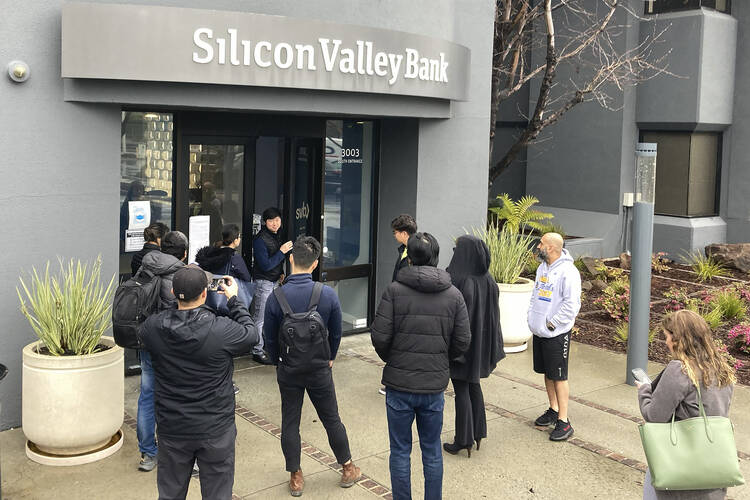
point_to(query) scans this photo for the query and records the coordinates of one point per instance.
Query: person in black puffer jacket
(420, 325)
(223, 259)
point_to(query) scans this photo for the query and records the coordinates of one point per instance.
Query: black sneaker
(235, 388)
(148, 463)
(549, 417)
(561, 432)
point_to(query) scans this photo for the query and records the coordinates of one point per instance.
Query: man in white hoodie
(552, 314)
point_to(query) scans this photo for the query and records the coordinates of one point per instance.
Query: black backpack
(135, 300)
(303, 337)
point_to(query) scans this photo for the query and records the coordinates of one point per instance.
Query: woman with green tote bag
(696, 363)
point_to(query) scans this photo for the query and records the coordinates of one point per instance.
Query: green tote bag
(697, 453)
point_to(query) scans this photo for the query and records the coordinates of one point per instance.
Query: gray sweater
(675, 392)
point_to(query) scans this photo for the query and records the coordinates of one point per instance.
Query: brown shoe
(350, 475)
(296, 483)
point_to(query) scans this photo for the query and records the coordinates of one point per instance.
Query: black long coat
(469, 270)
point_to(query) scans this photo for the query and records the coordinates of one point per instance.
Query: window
(687, 172)
(661, 6)
(145, 175)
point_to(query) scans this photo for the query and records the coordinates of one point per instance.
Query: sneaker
(196, 471)
(235, 388)
(561, 432)
(549, 417)
(147, 463)
(350, 474)
(262, 358)
(382, 390)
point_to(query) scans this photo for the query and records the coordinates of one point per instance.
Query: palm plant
(518, 214)
(509, 251)
(69, 311)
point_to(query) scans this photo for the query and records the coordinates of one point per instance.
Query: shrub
(515, 215)
(740, 337)
(607, 273)
(724, 352)
(509, 252)
(581, 266)
(532, 264)
(708, 311)
(69, 311)
(731, 305)
(615, 300)
(549, 227)
(705, 267)
(659, 262)
(622, 331)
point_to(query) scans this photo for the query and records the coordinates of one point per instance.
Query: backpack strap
(315, 297)
(285, 307)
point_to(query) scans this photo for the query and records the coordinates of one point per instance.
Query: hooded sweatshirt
(556, 297)
(221, 260)
(191, 352)
(421, 323)
(164, 266)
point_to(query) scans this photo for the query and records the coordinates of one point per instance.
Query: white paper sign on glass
(134, 240)
(139, 214)
(198, 234)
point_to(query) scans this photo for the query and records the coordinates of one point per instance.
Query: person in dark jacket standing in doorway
(269, 254)
(421, 324)
(152, 236)
(191, 350)
(469, 270)
(299, 294)
(403, 227)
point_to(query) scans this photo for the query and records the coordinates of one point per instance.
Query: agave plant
(70, 310)
(518, 214)
(509, 252)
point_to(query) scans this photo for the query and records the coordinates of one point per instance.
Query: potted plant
(509, 253)
(73, 377)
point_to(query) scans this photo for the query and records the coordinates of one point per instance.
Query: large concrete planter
(72, 405)
(514, 307)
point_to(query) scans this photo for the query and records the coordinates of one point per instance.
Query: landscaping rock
(625, 260)
(736, 255)
(586, 285)
(591, 265)
(599, 284)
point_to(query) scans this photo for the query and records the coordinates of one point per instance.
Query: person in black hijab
(469, 270)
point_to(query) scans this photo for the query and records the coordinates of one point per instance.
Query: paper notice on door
(139, 214)
(133, 240)
(199, 234)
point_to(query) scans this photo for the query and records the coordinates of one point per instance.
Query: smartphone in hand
(641, 376)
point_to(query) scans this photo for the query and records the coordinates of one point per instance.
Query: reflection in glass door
(215, 189)
(303, 203)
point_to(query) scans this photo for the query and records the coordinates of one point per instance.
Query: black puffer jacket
(421, 324)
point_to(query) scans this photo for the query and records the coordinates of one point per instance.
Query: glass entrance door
(215, 190)
(303, 181)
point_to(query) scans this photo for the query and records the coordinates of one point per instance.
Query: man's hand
(229, 287)
(330, 363)
(286, 247)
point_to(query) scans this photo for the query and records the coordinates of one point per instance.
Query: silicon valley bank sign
(152, 43)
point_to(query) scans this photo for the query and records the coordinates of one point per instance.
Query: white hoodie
(556, 298)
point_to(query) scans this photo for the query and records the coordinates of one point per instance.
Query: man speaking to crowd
(191, 352)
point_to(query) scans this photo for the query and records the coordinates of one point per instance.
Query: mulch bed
(595, 327)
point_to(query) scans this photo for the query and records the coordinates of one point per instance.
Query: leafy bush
(659, 262)
(622, 331)
(550, 227)
(615, 300)
(732, 306)
(608, 274)
(705, 267)
(724, 352)
(515, 215)
(509, 252)
(740, 337)
(708, 311)
(581, 266)
(69, 311)
(532, 264)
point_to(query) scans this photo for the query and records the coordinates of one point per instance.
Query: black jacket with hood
(420, 325)
(164, 266)
(191, 352)
(217, 259)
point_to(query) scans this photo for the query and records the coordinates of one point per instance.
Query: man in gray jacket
(554, 306)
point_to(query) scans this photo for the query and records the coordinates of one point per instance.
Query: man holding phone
(191, 352)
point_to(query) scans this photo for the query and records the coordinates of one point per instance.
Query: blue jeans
(401, 408)
(146, 421)
(263, 288)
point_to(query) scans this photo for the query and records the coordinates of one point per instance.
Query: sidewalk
(603, 460)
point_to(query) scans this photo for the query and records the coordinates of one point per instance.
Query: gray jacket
(675, 392)
(164, 266)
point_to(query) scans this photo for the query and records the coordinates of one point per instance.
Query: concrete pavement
(603, 460)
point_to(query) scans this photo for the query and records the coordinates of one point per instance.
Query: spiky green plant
(705, 267)
(509, 252)
(70, 310)
(518, 214)
(709, 312)
(731, 304)
(621, 332)
(532, 264)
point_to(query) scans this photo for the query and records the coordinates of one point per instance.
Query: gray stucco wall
(60, 192)
(61, 189)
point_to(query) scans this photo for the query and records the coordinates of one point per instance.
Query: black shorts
(551, 356)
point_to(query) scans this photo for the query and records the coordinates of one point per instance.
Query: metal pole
(640, 287)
